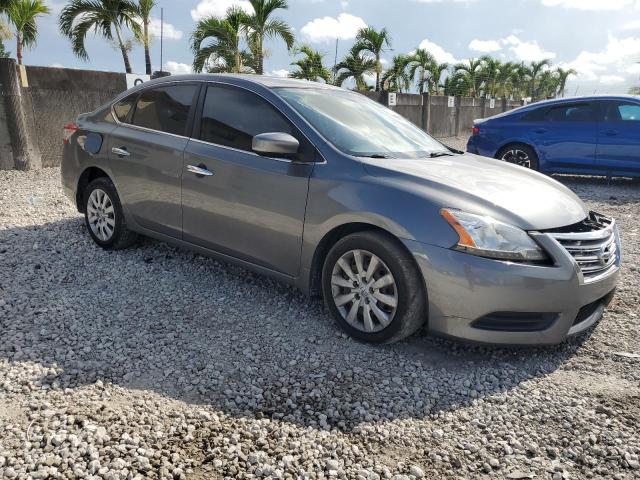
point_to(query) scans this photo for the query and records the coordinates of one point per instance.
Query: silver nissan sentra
(333, 193)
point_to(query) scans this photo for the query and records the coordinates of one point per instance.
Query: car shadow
(163, 319)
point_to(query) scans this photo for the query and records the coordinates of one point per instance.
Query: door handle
(200, 170)
(611, 133)
(120, 151)
(540, 130)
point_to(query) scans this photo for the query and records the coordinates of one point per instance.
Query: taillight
(475, 130)
(67, 131)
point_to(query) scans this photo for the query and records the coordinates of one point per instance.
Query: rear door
(566, 137)
(247, 206)
(146, 155)
(619, 137)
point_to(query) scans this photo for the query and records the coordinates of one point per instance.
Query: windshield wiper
(376, 155)
(440, 154)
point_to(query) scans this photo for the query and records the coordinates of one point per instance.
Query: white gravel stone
(156, 362)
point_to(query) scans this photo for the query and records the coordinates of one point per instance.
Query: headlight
(487, 237)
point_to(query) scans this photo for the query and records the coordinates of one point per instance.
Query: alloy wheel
(101, 215)
(364, 291)
(517, 157)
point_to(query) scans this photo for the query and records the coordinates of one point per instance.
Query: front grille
(593, 243)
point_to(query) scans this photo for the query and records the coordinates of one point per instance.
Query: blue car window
(629, 112)
(581, 112)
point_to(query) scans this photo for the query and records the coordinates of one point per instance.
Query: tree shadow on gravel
(167, 320)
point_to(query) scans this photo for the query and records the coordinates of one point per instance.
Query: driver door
(246, 205)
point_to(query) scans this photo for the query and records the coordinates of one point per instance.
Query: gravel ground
(158, 363)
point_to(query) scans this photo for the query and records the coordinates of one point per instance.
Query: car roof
(582, 99)
(247, 79)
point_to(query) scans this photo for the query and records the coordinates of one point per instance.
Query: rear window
(165, 109)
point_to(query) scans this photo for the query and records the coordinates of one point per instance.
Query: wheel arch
(332, 237)
(87, 176)
(516, 141)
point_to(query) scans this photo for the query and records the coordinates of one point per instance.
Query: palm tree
(535, 70)
(437, 69)
(22, 14)
(563, 76)
(356, 66)
(102, 16)
(504, 79)
(520, 81)
(369, 40)
(634, 91)
(396, 78)
(472, 70)
(459, 83)
(144, 12)
(420, 64)
(489, 73)
(5, 34)
(224, 51)
(261, 25)
(311, 67)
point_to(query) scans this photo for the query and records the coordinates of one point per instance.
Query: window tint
(622, 112)
(165, 109)
(123, 107)
(579, 112)
(534, 115)
(232, 117)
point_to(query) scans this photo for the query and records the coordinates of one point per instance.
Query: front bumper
(464, 289)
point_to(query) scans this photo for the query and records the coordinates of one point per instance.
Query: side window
(622, 112)
(577, 112)
(536, 115)
(122, 109)
(165, 109)
(233, 116)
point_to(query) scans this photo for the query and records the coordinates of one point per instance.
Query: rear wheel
(519, 154)
(373, 288)
(104, 217)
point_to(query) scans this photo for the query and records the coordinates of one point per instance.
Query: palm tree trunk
(147, 53)
(125, 55)
(378, 68)
(19, 48)
(259, 56)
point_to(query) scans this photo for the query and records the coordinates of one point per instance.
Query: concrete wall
(36, 104)
(59, 95)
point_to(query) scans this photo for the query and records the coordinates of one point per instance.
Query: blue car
(586, 135)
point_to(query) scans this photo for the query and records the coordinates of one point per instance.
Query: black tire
(532, 157)
(121, 236)
(411, 310)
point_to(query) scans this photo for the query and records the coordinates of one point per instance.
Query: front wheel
(519, 154)
(373, 288)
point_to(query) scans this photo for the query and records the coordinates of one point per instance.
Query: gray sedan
(333, 193)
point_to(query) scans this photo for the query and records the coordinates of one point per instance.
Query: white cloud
(283, 73)
(57, 65)
(617, 60)
(439, 53)
(170, 32)
(485, 46)
(218, 8)
(327, 29)
(635, 25)
(526, 51)
(178, 68)
(611, 79)
(589, 4)
(443, 1)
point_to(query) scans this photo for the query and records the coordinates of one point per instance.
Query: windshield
(359, 126)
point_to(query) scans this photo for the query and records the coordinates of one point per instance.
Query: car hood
(513, 194)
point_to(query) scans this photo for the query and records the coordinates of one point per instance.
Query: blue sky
(599, 38)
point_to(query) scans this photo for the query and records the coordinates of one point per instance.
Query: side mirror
(275, 143)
